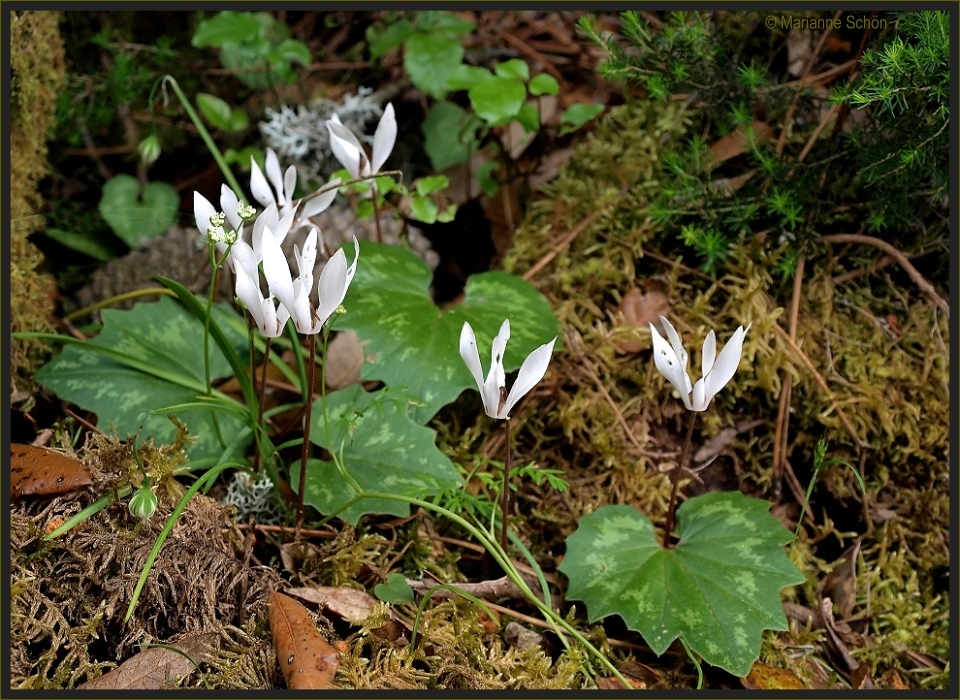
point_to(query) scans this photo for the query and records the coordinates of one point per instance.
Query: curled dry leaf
(737, 143)
(350, 604)
(307, 660)
(343, 361)
(637, 310)
(156, 668)
(37, 471)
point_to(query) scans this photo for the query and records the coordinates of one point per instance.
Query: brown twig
(917, 278)
(564, 241)
(532, 54)
(321, 534)
(780, 439)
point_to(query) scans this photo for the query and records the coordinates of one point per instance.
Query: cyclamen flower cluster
(288, 297)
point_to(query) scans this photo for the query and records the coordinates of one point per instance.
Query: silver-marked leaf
(167, 344)
(412, 344)
(383, 450)
(718, 589)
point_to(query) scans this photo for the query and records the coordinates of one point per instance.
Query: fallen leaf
(343, 361)
(639, 309)
(307, 660)
(737, 143)
(764, 677)
(156, 668)
(860, 678)
(37, 471)
(891, 679)
(350, 604)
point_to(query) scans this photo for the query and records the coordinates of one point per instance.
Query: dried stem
(675, 478)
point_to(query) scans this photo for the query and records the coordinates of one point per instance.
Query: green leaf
(450, 135)
(291, 51)
(430, 60)
(226, 27)
(414, 344)
(390, 38)
(82, 243)
(448, 214)
(544, 84)
(718, 589)
(529, 118)
(220, 114)
(465, 77)
(395, 590)
(445, 23)
(429, 185)
(137, 216)
(514, 68)
(423, 209)
(498, 99)
(577, 115)
(383, 449)
(163, 349)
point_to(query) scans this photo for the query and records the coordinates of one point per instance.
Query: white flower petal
(271, 327)
(332, 287)
(709, 355)
(727, 363)
(320, 203)
(470, 354)
(268, 219)
(283, 226)
(336, 126)
(258, 185)
(289, 184)
(677, 345)
(668, 364)
(242, 254)
(249, 293)
(307, 258)
(345, 148)
(302, 312)
(700, 399)
(277, 271)
(384, 138)
(202, 211)
(229, 202)
(274, 174)
(496, 378)
(531, 372)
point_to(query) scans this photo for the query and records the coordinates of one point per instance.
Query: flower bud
(143, 503)
(149, 149)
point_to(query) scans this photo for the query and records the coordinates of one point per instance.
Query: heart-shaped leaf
(430, 60)
(137, 216)
(164, 344)
(412, 344)
(497, 100)
(395, 590)
(718, 589)
(383, 449)
(450, 135)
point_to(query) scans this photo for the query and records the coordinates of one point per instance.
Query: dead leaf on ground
(639, 309)
(343, 361)
(737, 142)
(156, 668)
(307, 660)
(891, 679)
(38, 471)
(764, 677)
(350, 604)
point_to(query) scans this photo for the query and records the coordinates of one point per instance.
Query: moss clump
(37, 71)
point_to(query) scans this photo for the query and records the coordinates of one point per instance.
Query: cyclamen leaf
(410, 343)
(383, 449)
(165, 337)
(718, 589)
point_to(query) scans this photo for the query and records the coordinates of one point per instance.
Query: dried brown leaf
(307, 660)
(764, 677)
(37, 471)
(350, 604)
(156, 668)
(639, 309)
(736, 143)
(343, 361)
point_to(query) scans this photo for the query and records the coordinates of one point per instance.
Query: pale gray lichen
(253, 496)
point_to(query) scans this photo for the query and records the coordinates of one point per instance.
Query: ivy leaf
(430, 60)
(164, 344)
(383, 449)
(718, 589)
(134, 215)
(413, 344)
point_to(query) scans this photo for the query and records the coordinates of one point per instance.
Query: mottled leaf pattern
(162, 336)
(383, 449)
(718, 589)
(412, 344)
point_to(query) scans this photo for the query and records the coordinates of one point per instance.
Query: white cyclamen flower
(671, 360)
(281, 196)
(347, 149)
(269, 319)
(294, 295)
(496, 402)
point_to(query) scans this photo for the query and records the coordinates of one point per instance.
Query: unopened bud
(149, 149)
(143, 503)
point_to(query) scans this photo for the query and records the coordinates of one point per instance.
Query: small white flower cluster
(253, 497)
(300, 134)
